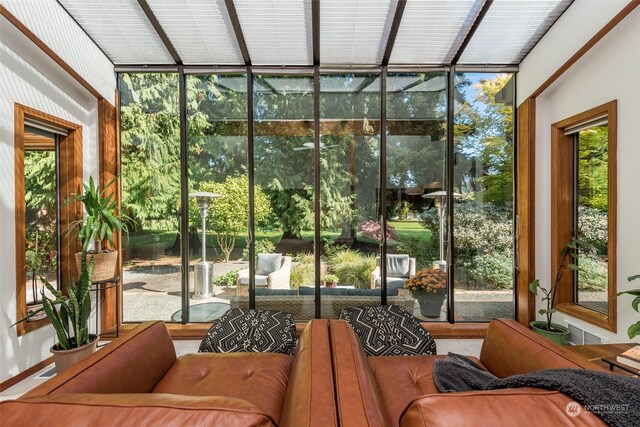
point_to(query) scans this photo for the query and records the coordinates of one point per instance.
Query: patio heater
(203, 270)
(440, 198)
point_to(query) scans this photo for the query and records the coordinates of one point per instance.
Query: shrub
(592, 274)
(494, 270)
(353, 268)
(371, 228)
(593, 227)
(263, 246)
(423, 250)
(304, 272)
(227, 279)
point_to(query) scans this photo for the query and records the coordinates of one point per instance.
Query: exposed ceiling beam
(315, 30)
(237, 29)
(160, 31)
(476, 23)
(393, 32)
(366, 83)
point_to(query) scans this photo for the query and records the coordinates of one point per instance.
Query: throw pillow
(268, 263)
(389, 330)
(244, 330)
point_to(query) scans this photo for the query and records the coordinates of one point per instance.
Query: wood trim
(587, 46)
(25, 374)
(525, 211)
(48, 51)
(109, 159)
(562, 163)
(70, 173)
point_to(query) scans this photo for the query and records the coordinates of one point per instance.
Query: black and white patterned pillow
(244, 330)
(389, 331)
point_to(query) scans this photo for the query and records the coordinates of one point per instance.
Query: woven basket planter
(104, 264)
(65, 359)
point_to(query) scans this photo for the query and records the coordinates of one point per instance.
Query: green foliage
(263, 246)
(229, 214)
(593, 227)
(293, 208)
(423, 250)
(227, 279)
(494, 270)
(69, 315)
(34, 262)
(303, 273)
(353, 268)
(594, 169)
(331, 278)
(102, 218)
(634, 329)
(592, 273)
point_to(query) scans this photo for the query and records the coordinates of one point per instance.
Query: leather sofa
(137, 380)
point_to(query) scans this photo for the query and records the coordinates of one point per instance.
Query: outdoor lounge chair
(400, 268)
(273, 271)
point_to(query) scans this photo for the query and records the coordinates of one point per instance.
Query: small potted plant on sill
(634, 330)
(330, 281)
(101, 222)
(552, 331)
(429, 287)
(69, 316)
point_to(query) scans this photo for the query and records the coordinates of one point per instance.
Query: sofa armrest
(510, 348)
(509, 407)
(412, 267)
(134, 363)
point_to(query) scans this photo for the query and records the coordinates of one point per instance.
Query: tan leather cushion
(258, 378)
(133, 363)
(510, 407)
(139, 409)
(509, 348)
(403, 379)
(359, 401)
(310, 400)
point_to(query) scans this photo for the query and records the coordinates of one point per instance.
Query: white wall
(29, 77)
(581, 21)
(610, 70)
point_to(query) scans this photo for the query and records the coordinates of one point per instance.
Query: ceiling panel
(121, 29)
(277, 32)
(354, 31)
(200, 30)
(432, 30)
(510, 29)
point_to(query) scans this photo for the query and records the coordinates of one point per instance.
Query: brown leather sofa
(400, 390)
(139, 381)
(329, 382)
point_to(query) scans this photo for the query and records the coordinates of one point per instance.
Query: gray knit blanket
(613, 398)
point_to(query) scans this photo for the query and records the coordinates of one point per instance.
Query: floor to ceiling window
(278, 162)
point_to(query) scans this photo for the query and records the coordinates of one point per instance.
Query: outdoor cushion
(389, 330)
(260, 280)
(245, 330)
(268, 263)
(310, 290)
(392, 283)
(398, 265)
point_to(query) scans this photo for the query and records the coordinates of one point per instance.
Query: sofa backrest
(510, 348)
(357, 394)
(137, 409)
(133, 363)
(310, 391)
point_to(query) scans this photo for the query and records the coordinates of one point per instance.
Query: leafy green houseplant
(429, 287)
(330, 280)
(101, 222)
(553, 331)
(634, 330)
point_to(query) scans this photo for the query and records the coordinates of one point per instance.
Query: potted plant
(69, 316)
(101, 222)
(552, 331)
(429, 287)
(330, 280)
(34, 263)
(634, 330)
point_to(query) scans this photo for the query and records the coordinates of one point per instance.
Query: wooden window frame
(562, 221)
(70, 172)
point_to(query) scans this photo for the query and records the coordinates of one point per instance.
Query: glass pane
(350, 191)
(416, 200)
(483, 204)
(277, 32)
(200, 31)
(41, 215)
(121, 29)
(283, 213)
(150, 175)
(219, 191)
(355, 31)
(510, 29)
(440, 26)
(593, 204)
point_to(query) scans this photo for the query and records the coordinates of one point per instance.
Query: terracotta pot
(330, 284)
(35, 307)
(561, 337)
(431, 306)
(104, 264)
(65, 359)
